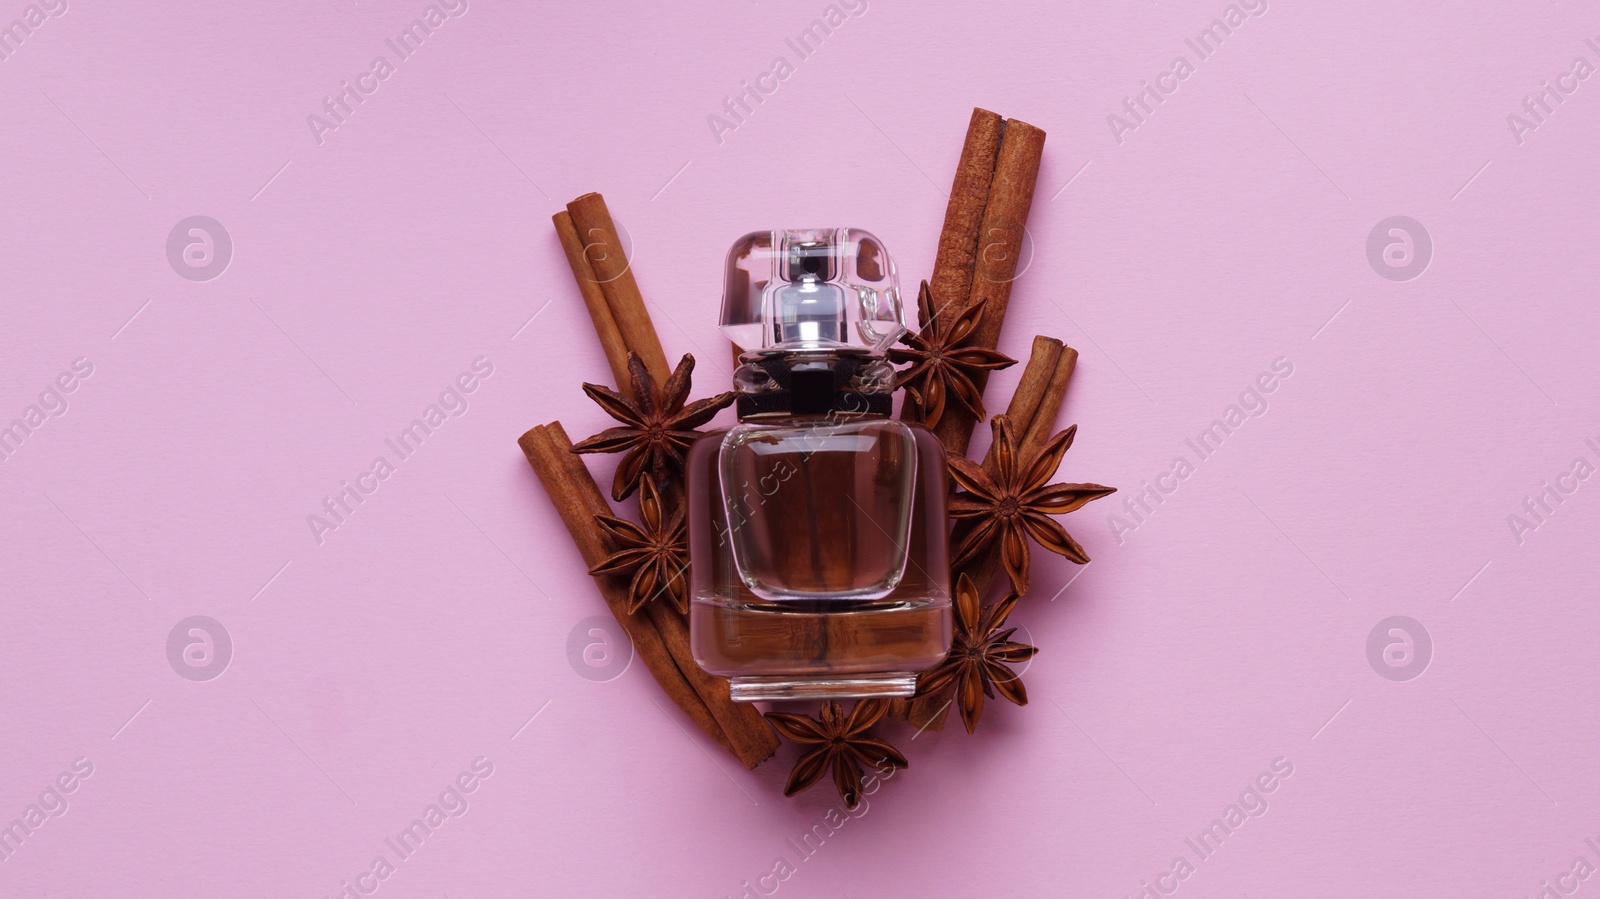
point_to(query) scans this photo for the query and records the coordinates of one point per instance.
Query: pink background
(1230, 629)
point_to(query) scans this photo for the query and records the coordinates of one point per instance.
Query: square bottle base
(861, 686)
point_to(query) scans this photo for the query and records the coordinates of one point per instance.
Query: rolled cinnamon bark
(1002, 234)
(1036, 405)
(605, 324)
(660, 635)
(953, 266)
(1043, 426)
(999, 242)
(613, 271)
(1035, 383)
(752, 739)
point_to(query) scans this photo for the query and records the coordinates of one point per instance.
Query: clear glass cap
(811, 289)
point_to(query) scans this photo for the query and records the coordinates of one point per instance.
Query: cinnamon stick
(1001, 236)
(660, 636)
(953, 266)
(1032, 412)
(613, 272)
(1042, 424)
(1037, 402)
(605, 324)
(753, 739)
(660, 633)
(997, 239)
(1035, 382)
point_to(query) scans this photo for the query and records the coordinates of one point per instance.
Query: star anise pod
(657, 554)
(979, 654)
(839, 745)
(657, 426)
(943, 360)
(1014, 501)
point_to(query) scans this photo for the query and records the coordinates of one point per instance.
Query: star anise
(978, 655)
(658, 427)
(1014, 501)
(657, 554)
(840, 745)
(943, 360)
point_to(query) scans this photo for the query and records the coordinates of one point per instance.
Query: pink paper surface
(1184, 251)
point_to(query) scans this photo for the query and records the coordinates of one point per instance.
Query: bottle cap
(811, 290)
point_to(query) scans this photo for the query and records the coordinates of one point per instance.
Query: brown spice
(1012, 502)
(609, 267)
(976, 665)
(658, 425)
(1005, 217)
(839, 745)
(997, 240)
(969, 194)
(1039, 394)
(944, 362)
(660, 637)
(605, 324)
(655, 552)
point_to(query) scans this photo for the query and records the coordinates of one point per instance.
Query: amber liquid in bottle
(819, 555)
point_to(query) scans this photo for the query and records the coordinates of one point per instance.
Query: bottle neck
(805, 385)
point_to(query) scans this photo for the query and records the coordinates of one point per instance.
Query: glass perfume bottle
(817, 526)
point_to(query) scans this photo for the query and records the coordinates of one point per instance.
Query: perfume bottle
(817, 528)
